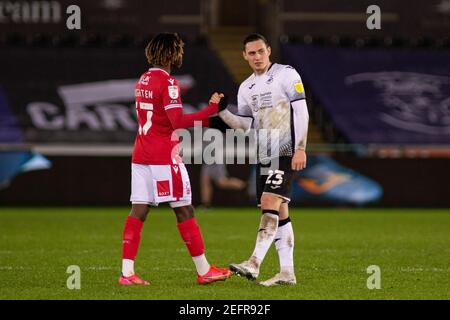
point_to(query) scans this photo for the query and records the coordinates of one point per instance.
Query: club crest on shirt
(144, 80)
(173, 92)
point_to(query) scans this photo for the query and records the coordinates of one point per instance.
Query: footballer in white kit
(272, 101)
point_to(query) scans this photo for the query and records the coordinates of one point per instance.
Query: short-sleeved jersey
(267, 98)
(156, 143)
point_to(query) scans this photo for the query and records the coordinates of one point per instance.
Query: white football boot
(248, 269)
(282, 278)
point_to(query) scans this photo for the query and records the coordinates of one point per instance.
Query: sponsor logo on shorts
(163, 188)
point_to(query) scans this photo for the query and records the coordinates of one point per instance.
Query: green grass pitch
(333, 248)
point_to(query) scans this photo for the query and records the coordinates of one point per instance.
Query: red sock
(191, 235)
(131, 237)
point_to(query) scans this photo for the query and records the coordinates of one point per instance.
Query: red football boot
(214, 274)
(132, 280)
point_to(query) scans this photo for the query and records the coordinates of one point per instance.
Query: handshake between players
(221, 99)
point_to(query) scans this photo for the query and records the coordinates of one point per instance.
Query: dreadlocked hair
(165, 49)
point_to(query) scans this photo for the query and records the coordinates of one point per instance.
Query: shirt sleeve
(171, 97)
(300, 123)
(236, 121)
(243, 119)
(243, 106)
(292, 84)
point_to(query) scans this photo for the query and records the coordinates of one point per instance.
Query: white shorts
(154, 184)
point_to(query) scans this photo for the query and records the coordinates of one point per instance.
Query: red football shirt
(156, 92)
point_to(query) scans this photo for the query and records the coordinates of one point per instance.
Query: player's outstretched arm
(235, 121)
(180, 120)
(232, 120)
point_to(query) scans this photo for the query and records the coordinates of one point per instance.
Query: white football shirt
(267, 98)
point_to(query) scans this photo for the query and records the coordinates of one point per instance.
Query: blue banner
(379, 96)
(326, 181)
(16, 162)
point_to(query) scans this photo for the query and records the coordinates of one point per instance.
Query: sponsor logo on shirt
(265, 100)
(171, 81)
(254, 103)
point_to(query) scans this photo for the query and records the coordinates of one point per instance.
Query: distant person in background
(216, 175)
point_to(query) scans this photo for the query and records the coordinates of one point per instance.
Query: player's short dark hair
(165, 49)
(255, 37)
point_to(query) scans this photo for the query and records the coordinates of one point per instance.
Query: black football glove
(223, 104)
(217, 123)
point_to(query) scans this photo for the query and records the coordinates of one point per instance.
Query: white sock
(284, 242)
(266, 233)
(127, 267)
(201, 264)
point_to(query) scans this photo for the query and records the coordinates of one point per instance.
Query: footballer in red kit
(159, 109)
(158, 174)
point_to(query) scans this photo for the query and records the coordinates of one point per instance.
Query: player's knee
(139, 211)
(270, 202)
(284, 211)
(184, 213)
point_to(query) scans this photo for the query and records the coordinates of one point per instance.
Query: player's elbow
(176, 124)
